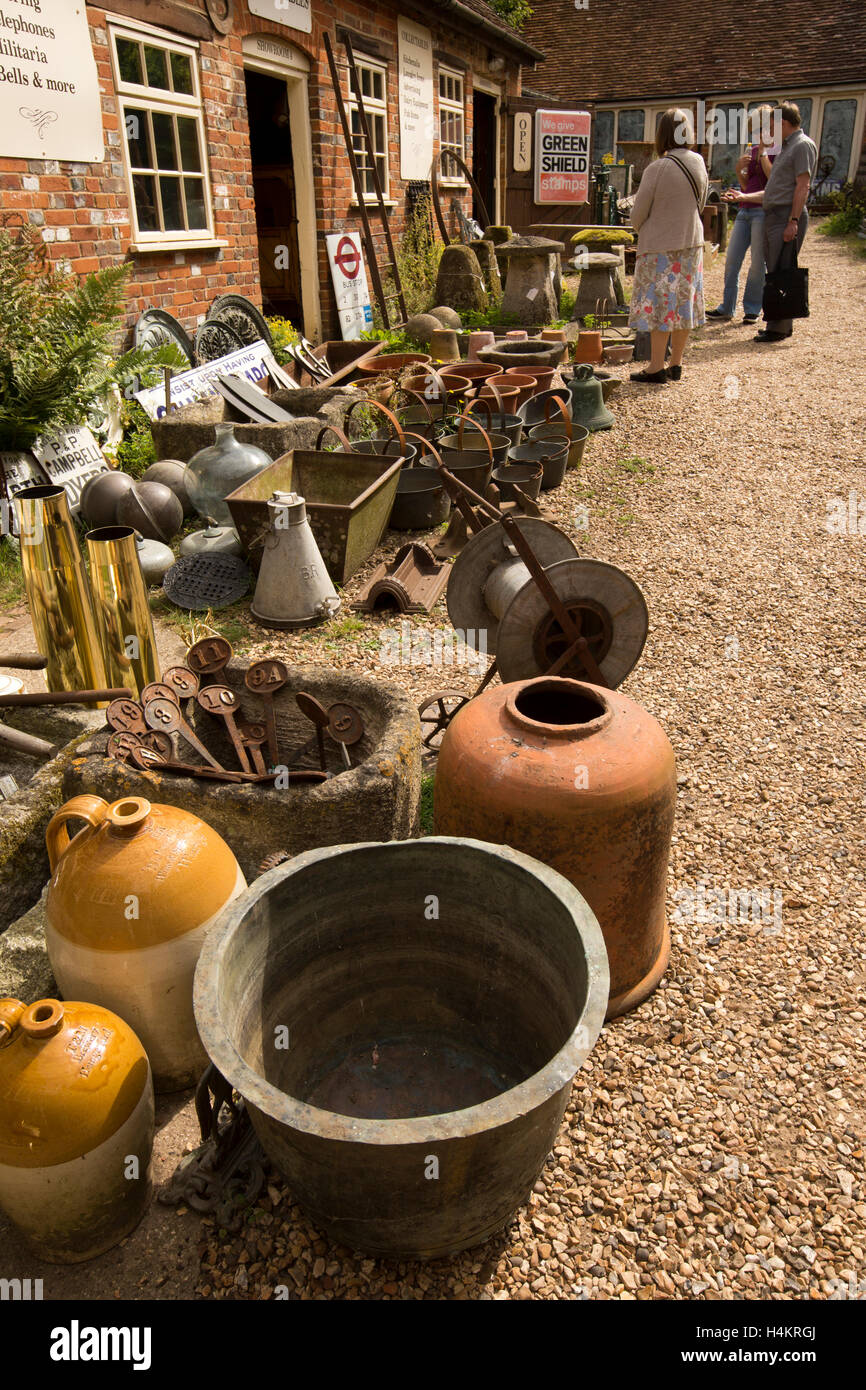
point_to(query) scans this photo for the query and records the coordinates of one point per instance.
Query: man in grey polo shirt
(784, 201)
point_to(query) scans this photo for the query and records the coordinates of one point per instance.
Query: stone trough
(377, 798)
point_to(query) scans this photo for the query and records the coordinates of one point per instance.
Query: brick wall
(83, 210)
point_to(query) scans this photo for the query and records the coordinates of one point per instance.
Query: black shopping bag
(786, 289)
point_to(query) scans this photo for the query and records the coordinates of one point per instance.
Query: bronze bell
(587, 402)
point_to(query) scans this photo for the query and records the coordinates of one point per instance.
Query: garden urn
(76, 1127)
(583, 779)
(131, 899)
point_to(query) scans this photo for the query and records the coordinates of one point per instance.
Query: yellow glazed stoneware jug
(76, 1127)
(131, 898)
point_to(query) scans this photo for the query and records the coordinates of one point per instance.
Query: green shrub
(136, 451)
(517, 13)
(57, 341)
(849, 210)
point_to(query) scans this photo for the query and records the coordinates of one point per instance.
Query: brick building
(633, 61)
(224, 162)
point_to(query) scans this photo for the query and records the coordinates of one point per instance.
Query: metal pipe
(26, 743)
(123, 618)
(32, 699)
(23, 661)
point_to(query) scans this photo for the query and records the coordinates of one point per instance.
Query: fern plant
(57, 336)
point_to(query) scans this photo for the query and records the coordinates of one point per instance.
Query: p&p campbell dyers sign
(562, 156)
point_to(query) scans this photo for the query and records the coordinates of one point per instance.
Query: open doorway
(484, 133)
(275, 195)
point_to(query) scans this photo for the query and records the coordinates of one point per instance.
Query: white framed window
(373, 78)
(452, 122)
(162, 129)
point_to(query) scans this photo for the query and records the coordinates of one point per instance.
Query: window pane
(156, 63)
(805, 105)
(172, 204)
(378, 134)
(144, 191)
(602, 135)
(163, 135)
(837, 132)
(631, 125)
(196, 212)
(181, 72)
(378, 86)
(190, 155)
(138, 137)
(727, 122)
(129, 61)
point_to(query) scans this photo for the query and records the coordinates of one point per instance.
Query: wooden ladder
(384, 238)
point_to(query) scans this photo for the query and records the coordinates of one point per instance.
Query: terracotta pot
(589, 348)
(443, 345)
(429, 386)
(131, 899)
(543, 378)
(76, 1107)
(504, 397)
(482, 338)
(526, 385)
(392, 363)
(476, 372)
(517, 335)
(583, 779)
(554, 335)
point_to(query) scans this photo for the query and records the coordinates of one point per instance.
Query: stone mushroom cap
(529, 246)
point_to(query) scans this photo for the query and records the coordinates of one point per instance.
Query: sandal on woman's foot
(674, 373)
(658, 378)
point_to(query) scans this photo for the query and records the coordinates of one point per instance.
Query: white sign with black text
(200, 383)
(349, 275)
(71, 460)
(50, 103)
(415, 70)
(295, 14)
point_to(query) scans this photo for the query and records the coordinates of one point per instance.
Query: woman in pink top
(752, 170)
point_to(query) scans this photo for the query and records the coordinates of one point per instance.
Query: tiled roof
(492, 20)
(620, 50)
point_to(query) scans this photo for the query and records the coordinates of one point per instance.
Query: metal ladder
(370, 241)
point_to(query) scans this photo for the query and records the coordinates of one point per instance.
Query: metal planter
(420, 1049)
(349, 499)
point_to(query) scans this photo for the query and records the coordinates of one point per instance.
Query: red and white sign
(562, 156)
(350, 283)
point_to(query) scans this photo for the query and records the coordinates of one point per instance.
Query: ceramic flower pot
(589, 348)
(583, 779)
(131, 899)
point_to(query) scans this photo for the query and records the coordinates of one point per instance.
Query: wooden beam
(185, 18)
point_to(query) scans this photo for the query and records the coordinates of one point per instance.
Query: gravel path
(713, 1146)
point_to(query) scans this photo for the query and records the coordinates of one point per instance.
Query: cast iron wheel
(436, 714)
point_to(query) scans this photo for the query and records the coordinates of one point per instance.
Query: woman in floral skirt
(668, 296)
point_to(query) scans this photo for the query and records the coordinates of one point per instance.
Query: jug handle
(335, 429)
(383, 409)
(559, 402)
(429, 447)
(484, 435)
(92, 809)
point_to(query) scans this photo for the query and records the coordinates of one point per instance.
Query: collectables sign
(349, 275)
(200, 383)
(415, 69)
(50, 103)
(562, 156)
(295, 14)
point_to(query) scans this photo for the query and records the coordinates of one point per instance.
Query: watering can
(293, 588)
